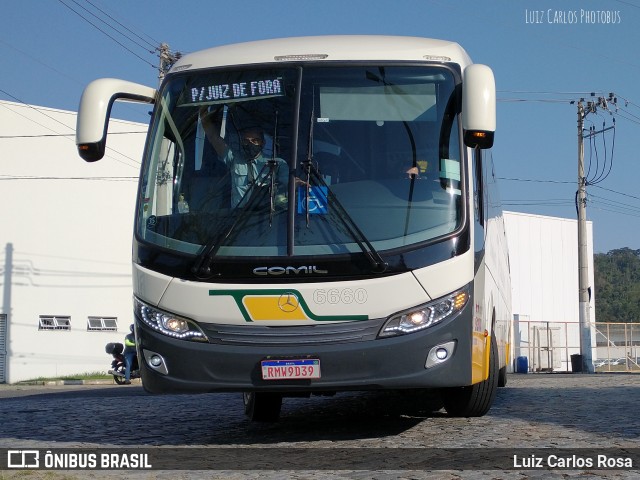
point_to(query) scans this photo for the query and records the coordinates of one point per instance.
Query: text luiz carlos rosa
(572, 461)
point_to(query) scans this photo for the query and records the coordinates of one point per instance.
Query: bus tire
(502, 377)
(474, 400)
(262, 406)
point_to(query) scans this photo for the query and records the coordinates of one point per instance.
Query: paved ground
(543, 411)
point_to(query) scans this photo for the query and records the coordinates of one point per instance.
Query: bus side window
(478, 186)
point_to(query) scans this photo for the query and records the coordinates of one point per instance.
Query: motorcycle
(118, 366)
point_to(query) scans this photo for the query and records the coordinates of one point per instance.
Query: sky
(545, 54)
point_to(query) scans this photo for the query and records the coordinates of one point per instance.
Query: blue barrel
(522, 365)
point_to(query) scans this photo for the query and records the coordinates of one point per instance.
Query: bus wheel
(262, 406)
(502, 377)
(474, 400)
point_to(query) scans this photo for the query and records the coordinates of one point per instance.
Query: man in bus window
(248, 166)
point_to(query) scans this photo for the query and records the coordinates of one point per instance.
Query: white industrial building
(543, 255)
(66, 254)
(65, 243)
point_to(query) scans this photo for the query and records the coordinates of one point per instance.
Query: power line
(615, 211)
(45, 135)
(544, 92)
(532, 180)
(615, 191)
(37, 110)
(67, 137)
(534, 100)
(592, 195)
(637, 122)
(535, 202)
(107, 179)
(167, 57)
(600, 177)
(105, 33)
(31, 57)
(634, 118)
(125, 105)
(628, 102)
(612, 203)
(153, 42)
(595, 201)
(114, 28)
(631, 212)
(620, 111)
(568, 99)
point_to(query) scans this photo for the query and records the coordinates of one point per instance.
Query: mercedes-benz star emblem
(288, 302)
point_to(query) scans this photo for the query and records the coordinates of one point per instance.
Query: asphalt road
(553, 412)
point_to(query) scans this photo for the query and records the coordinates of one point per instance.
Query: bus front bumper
(380, 363)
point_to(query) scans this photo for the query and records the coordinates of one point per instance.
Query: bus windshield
(312, 160)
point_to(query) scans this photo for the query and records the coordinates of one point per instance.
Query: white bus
(316, 215)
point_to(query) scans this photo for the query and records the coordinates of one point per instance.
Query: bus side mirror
(95, 109)
(478, 106)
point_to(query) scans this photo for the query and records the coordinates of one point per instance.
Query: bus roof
(327, 48)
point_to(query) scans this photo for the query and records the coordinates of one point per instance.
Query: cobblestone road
(551, 411)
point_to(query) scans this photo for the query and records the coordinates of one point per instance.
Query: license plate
(295, 369)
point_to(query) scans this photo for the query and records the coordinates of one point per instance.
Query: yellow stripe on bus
(273, 308)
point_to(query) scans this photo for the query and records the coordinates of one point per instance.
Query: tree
(617, 285)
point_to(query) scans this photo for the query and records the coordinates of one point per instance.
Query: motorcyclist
(129, 354)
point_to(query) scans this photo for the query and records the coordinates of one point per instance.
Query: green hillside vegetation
(617, 285)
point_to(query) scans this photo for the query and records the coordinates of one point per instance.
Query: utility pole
(167, 59)
(583, 258)
(8, 270)
(584, 290)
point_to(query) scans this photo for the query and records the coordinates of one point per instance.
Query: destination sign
(229, 92)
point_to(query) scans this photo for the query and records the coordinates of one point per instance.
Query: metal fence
(548, 346)
(618, 347)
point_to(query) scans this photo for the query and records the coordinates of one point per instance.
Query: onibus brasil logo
(52, 459)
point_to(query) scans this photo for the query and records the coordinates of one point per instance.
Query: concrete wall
(65, 240)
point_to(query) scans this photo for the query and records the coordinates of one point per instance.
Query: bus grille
(321, 334)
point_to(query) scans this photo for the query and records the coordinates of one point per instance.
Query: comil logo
(23, 459)
(302, 270)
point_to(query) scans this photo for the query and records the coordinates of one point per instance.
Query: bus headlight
(168, 323)
(424, 316)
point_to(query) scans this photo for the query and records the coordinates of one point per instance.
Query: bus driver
(249, 166)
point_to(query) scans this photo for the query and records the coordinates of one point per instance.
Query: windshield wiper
(372, 255)
(202, 266)
(239, 215)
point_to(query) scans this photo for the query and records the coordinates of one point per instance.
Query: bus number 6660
(340, 295)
